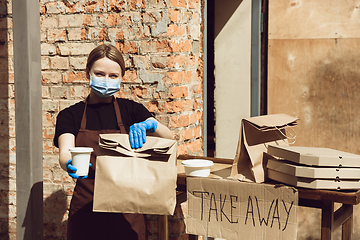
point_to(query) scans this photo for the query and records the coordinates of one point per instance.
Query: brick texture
(7, 128)
(161, 42)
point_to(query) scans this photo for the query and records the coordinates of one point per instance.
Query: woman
(80, 125)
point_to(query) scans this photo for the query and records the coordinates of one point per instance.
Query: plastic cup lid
(81, 150)
(197, 163)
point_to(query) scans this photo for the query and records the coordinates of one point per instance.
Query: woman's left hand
(138, 131)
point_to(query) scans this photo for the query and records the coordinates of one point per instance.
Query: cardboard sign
(232, 209)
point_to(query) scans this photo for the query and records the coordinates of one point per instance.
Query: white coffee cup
(197, 167)
(81, 159)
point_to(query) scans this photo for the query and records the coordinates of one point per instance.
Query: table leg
(163, 227)
(347, 229)
(327, 219)
(193, 237)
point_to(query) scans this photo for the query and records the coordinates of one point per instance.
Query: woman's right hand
(71, 170)
(66, 141)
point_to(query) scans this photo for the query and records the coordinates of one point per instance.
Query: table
(314, 198)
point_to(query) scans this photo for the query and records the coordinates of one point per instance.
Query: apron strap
(118, 117)
(83, 120)
(117, 112)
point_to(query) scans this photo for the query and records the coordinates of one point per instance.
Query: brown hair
(105, 50)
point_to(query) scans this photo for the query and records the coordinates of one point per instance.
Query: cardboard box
(231, 209)
(313, 156)
(330, 184)
(316, 168)
(313, 172)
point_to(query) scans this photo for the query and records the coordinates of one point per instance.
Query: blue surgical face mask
(104, 87)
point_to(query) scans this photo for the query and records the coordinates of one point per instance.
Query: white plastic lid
(81, 150)
(197, 163)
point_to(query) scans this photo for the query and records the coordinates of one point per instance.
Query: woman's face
(105, 68)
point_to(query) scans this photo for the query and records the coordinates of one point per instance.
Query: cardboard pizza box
(313, 183)
(313, 156)
(313, 172)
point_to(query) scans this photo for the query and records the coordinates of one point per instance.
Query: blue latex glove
(138, 131)
(72, 170)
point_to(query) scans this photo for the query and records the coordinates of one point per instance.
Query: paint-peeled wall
(162, 46)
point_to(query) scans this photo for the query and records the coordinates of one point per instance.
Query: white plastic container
(81, 159)
(197, 167)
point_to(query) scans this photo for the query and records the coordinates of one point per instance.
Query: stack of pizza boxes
(315, 168)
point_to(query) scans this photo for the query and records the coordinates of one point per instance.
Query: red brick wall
(161, 42)
(7, 127)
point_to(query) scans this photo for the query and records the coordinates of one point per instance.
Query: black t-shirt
(99, 116)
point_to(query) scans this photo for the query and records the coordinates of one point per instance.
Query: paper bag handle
(160, 149)
(115, 146)
(291, 137)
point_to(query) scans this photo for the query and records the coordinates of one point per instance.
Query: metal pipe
(205, 77)
(28, 119)
(205, 80)
(255, 57)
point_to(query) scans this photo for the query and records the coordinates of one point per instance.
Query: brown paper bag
(255, 135)
(135, 181)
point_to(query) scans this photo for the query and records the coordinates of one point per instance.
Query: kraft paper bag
(135, 181)
(255, 135)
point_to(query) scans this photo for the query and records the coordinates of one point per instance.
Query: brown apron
(83, 223)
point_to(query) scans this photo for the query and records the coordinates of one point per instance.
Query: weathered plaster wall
(314, 75)
(232, 72)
